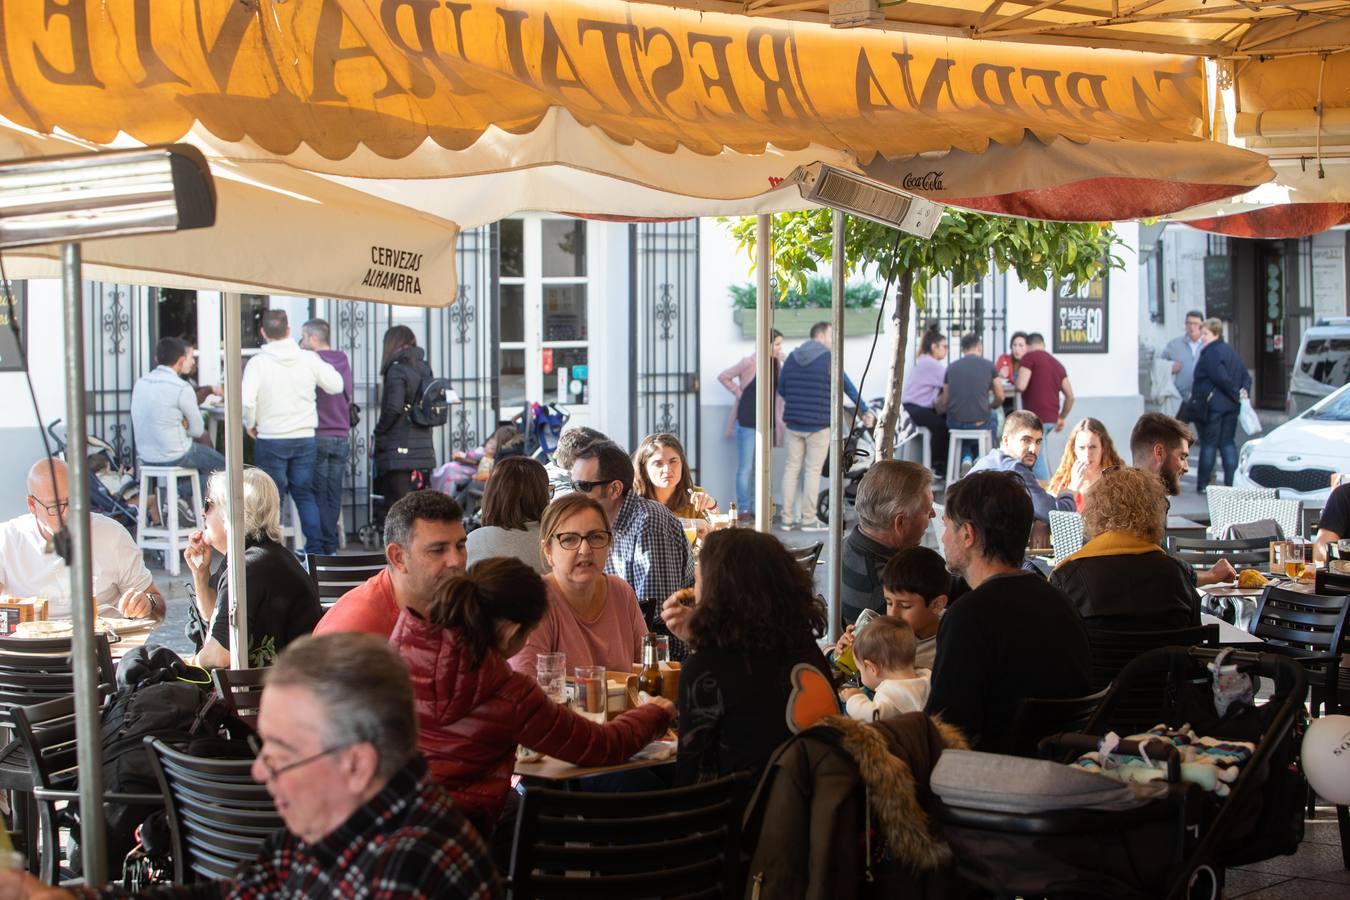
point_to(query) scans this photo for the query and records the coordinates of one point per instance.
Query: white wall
(1183, 287)
(1105, 385)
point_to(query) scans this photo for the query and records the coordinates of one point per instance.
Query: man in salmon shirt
(1041, 379)
(425, 545)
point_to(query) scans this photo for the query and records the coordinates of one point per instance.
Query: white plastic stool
(292, 529)
(925, 438)
(168, 536)
(983, 436)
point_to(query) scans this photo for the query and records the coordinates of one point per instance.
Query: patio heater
(843, 192)
(68, 199)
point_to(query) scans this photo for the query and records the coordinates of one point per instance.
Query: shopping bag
(1247, 417)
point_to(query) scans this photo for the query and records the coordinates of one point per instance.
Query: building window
(544, 315)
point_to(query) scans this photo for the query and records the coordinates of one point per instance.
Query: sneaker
(788, 526)
(185, 516)
(815, 525)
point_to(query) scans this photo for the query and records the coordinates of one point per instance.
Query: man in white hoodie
(280, 413)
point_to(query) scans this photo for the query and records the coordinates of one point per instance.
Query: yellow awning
(337, 76)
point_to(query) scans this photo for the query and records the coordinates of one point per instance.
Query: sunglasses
(585, 487)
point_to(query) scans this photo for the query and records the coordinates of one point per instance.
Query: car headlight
(1245, 455)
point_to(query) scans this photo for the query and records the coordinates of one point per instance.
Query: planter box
(796, 323)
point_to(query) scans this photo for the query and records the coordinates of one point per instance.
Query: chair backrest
(47, 733)
(1329, 582)
(51, 656)
(1201, 553)
(1312, 622)
(1233, 507)
(808, 556)
(1066, 533)
(1113, 650)
(336, 575)
(241, 691)
(1038, 718)
(218, 815)
(674, 843)
(34, 671)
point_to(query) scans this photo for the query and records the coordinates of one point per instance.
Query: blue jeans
(290, 463)
(745, 469)
(200, 457)
(1217, 437)
(330, 464)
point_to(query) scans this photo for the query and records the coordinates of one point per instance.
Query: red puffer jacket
(470, 720)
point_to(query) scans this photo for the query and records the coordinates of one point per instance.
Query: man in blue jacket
(805, 388)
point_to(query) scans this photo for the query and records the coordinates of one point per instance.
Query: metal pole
(231, 309)
(88, 743)
(837, 433)
(765, 420)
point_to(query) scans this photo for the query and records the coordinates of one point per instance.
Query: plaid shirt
(408, 842)
(650, 552)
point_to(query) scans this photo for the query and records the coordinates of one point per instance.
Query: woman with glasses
(513, 502)
(592, 617)
(1088, 452)
(1122, 579)
(472, 709)
(283, 603)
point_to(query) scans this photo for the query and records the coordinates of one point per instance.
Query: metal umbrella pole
(765, 420)
(231, 308)
(88, 739)
(837, 433)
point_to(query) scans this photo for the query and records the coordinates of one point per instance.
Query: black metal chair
(676, 843)
(1112, 651)
(32, 671)
(241, 691)
(218, 815)
(336, 575)
(46, 731)
(1329, 582)
(1311, 629)
(1201, 553)
(1039, 718)
(808, 557)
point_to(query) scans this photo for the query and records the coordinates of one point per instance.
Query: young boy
(885, 655)
(915, 582)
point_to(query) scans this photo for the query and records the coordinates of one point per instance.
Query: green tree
(964, 248)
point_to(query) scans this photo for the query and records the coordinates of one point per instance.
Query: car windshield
(1335, 408)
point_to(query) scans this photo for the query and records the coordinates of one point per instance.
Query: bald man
(29, 567)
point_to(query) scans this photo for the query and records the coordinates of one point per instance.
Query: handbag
(1194, 410)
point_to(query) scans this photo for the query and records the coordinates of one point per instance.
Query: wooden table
(555, 770)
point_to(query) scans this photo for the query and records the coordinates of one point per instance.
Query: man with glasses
(650, 551)
(337, 750)
(425, 545)
(31, 567)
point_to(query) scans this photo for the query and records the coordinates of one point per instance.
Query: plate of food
(1249, 583)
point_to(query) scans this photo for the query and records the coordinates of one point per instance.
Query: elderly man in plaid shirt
(338, 753)
(650, 551)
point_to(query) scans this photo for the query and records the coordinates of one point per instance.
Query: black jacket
(1120, 583)
(401, 446)
(1220, 376)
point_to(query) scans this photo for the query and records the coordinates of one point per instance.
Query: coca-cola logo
(926, 181)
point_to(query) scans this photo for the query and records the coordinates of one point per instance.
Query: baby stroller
(1164, 838)
(541, 423)
(859, 454)
(112, 488)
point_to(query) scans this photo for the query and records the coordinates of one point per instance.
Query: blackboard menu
(1081, 318)
(1218, 288)
(13, 307)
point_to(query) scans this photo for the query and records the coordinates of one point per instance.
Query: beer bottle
(649, 679)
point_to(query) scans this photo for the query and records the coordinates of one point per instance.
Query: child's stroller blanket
(990, 781)
(1211, 763)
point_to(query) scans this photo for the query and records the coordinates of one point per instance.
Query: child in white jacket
(885, 655)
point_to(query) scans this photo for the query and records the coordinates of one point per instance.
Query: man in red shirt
(425, 546)
(1040, 380)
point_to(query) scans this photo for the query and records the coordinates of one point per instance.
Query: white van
(1322, 365)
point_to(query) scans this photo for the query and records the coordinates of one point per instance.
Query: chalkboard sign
(16, 306)
(1218, 288)
(1081, 318)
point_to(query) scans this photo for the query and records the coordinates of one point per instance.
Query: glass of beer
(592, 693)
(551, 670)
(690, 530)
(1295, 554)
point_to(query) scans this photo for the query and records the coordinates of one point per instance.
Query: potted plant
(795, 311)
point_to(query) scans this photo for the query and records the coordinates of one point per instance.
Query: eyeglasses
(570, 540)
(53, 509)
(585, 487)
(274, 772)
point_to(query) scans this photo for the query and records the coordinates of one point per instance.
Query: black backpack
(431, 408)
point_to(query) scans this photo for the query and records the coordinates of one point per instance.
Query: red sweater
(470, 720)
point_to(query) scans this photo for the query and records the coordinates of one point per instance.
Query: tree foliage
(964, 248)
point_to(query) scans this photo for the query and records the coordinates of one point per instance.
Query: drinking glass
(551, 669)
(662, 647)
(690, 530)
(1295, 554)
(592, 693)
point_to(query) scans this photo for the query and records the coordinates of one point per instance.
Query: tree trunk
(897, 378)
